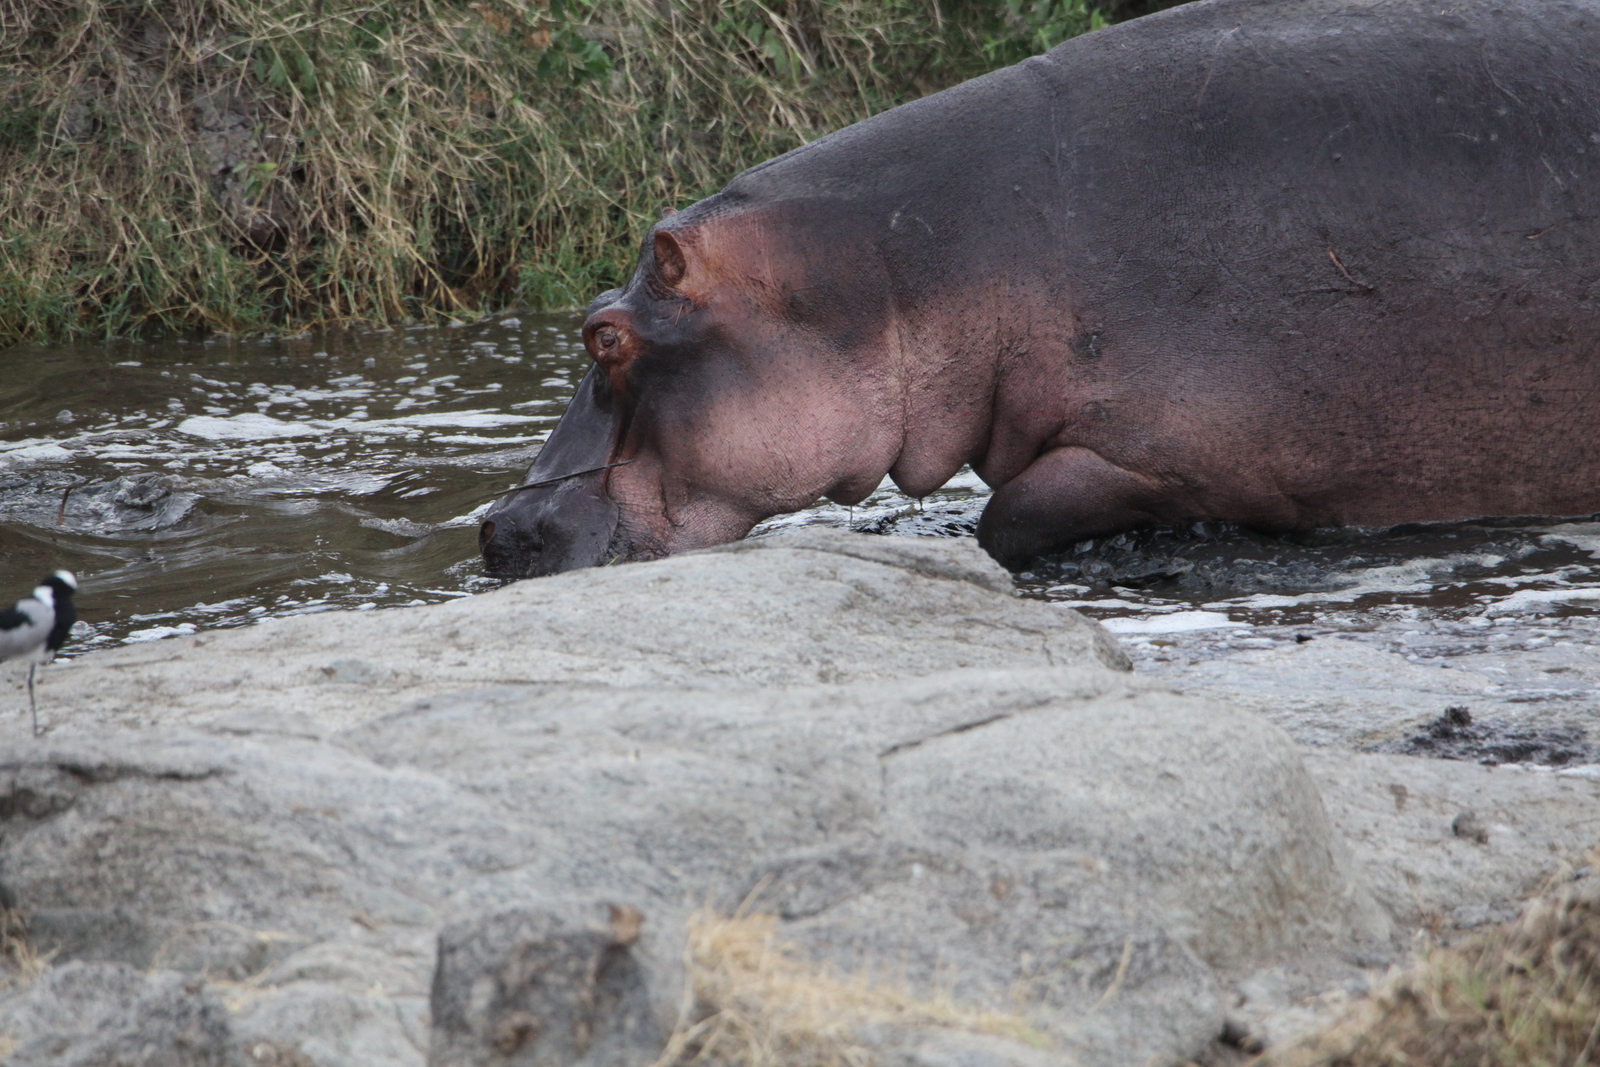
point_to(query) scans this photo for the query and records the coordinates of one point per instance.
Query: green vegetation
(246, 165)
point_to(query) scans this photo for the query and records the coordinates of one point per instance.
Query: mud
(1456, 735)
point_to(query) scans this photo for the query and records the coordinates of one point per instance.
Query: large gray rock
(112, 1015)
(1098, 846)
(560, 984)
(1332, 690)
(819, 606)
(400, 835)
(937, 1047)
(320, 1024)
(1400, 816)
(1530, 689)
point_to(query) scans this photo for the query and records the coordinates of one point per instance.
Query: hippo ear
(671, 264)
(668, 212)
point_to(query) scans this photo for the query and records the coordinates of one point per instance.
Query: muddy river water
(210, 483)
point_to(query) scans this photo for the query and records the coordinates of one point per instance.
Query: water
(194, 485)
(202, 484)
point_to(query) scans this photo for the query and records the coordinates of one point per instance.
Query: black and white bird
(37, 626)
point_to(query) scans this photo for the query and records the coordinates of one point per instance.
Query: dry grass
(20, 962)
(20, 965)
(248, 164)
(1526, 994)
(761, 1003)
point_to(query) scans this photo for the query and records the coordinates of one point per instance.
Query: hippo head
(744, 371)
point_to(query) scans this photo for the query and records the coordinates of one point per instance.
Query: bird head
(61, 584)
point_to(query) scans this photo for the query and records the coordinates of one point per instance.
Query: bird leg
(32, 705)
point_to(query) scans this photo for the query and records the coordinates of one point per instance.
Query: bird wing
(24, 627)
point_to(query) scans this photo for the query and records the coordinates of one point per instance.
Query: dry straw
(20, 962)
(1526, 994)
(250, 164)
(20, 965)
(761, 1003)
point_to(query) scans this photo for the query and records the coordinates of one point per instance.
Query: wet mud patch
(1457, 735)
(1448, 565)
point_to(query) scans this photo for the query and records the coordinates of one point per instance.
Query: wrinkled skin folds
(1286, 263)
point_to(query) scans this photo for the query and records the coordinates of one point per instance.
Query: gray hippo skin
(1288, 263)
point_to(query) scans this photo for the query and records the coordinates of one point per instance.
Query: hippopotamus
(1288, 264)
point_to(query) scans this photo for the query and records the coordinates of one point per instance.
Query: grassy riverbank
(247, 165)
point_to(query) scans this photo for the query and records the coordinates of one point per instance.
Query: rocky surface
(814, 607)
(1531, 696)
(476, 833)
(99, 1014)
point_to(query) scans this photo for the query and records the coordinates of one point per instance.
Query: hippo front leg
(1065, 496)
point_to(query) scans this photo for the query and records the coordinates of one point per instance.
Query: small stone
(1236, 1034)
(1467, 825)
(626, 922)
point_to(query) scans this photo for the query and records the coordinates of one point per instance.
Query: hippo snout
(546, 531)
(505, 553)
(511, 549)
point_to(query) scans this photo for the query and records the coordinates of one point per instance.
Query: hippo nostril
(485, 535)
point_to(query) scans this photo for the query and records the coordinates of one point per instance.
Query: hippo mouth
(561, 517)
(571, 525)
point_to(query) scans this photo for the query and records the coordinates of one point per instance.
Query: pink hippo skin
(1286, 263)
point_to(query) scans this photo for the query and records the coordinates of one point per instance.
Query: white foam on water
(1581, 535)
(474, 439)
(246, 426)
(253, 426)
(1559, 576)
(467, 420)
(156, 633)
(471, 518)
(399, 527)
(1542, 601)
(1113, 602)
(1173, 623)
(35, 455)
(1255, 602)
(117, 450)
(1412, 576)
